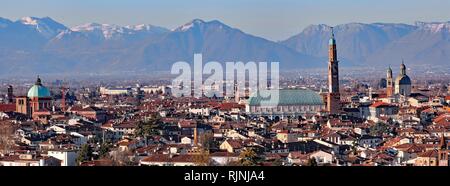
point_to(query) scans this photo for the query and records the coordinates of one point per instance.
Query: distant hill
(379, 43)
(42, 45)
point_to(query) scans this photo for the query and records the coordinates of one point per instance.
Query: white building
(187, 140)
(67, 156)
(115, 91)
(203, 111)
(28, 160)
(322, 157)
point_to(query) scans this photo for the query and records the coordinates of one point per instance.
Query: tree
(123, 158)
(103, 150)
(202, 159)
(355, 147)
(85, 154)
(277, 162)
(147, 128)
(206, 140)
(311, 162)
(7, 130)
(248, 157)
(379, 129)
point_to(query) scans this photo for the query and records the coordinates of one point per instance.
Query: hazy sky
(272, 19)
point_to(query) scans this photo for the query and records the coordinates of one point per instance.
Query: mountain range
(42, 45)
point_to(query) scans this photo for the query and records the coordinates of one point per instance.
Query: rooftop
(290, 97)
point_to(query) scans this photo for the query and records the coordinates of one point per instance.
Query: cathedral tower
(389, 83)
(333, 100)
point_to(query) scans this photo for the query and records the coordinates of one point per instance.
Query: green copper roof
(292, 97)
(38, 90)
(332, 41)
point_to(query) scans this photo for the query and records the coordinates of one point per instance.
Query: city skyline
(269, 19)
(215, 89)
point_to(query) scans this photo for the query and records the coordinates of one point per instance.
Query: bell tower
(389, 83)
(443, 152)
(333, 98)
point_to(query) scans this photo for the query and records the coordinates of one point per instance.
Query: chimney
(195, 136)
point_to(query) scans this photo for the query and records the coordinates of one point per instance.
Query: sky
(272, 19)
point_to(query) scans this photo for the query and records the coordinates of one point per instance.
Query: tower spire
(333, 99)
(332, 40)
(403, 68)
(332, 32)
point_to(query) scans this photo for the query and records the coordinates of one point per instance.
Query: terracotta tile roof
(380, 104)
(447, 98)
(443, 119)
(411, 148)
(429, 154)
(224, 154)
(187, 124)
(298, 155)
(128, 124)
(182, 158)
(7, 107)
(229, 106)
(235, 144)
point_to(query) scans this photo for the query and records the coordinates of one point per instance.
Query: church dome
(38, 90)
(403, 80)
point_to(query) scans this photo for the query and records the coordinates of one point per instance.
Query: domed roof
(403, 80)
(38, 90)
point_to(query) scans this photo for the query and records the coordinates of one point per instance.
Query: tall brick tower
(333, 98)
(389, 83)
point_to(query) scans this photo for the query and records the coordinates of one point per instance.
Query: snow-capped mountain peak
(46, 26)
(29, 20)
(434, 27)
(146, 28)
(111, 31)
(196, 23)
(139, 27)
(95, 26)
(189, 25)
(108, 31)
(315, 28)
